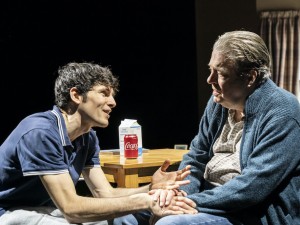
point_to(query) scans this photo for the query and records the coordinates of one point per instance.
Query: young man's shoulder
(43, 120)
(32, 126)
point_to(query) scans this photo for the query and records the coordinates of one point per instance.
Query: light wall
(262, 5)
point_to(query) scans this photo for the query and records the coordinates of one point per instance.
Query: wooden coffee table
(131, 173)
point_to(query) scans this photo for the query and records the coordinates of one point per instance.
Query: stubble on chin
(218, 99)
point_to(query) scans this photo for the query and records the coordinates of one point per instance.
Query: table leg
(128, 178)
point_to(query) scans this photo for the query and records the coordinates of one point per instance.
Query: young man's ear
(75, 97)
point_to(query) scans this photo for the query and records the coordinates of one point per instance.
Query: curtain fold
(280, 30)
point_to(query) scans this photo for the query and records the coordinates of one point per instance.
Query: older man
(245, 161)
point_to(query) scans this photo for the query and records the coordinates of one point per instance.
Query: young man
(245, 161)
(44, 156)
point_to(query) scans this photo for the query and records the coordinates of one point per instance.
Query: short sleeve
(41, 152)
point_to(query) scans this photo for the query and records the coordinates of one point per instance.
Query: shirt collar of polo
(65, 140)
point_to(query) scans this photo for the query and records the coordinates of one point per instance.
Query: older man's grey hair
(247, 51)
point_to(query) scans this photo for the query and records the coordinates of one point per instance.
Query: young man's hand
(178, 205)
(164, 196)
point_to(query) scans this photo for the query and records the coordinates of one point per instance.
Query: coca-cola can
(131, 146)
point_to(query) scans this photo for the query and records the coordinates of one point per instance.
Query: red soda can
(130, 146)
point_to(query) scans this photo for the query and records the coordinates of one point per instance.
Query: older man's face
(229, 89)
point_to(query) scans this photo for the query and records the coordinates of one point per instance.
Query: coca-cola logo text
(129, 146)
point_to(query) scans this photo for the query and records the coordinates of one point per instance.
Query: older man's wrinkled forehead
(220, 61)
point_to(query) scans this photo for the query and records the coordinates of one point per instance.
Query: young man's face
(97, 106)
(229, 89)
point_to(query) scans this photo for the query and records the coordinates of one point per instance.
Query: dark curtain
(280, 31)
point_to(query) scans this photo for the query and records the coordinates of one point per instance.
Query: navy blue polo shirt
(40, 145)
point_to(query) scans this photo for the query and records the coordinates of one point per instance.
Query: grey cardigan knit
(268, 189)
